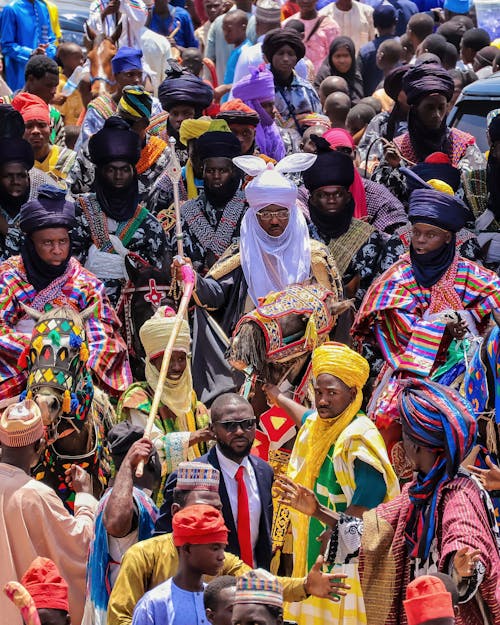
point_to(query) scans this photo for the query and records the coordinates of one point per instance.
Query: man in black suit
(245, 487)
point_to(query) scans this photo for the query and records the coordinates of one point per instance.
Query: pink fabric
(317, 44)
(338, 138)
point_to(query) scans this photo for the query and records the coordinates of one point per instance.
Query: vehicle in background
(473, 105)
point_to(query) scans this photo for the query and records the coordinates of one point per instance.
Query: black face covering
(425, 141)
(222, 196)
(12, 205)
(430, 268)
(119, 204)
(39, 273)
(332, 226)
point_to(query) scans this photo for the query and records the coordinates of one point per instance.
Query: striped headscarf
(439, 419)
(135, 103)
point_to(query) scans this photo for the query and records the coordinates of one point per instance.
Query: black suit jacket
(264, 476)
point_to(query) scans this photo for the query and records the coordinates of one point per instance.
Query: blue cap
(384, 15)
(126, 59)
(457, 6)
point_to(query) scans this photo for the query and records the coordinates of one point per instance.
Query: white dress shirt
(229, 468)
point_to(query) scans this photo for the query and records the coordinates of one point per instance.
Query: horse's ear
(90, 32)
(117, 33)
(31, 312)
(131, 268)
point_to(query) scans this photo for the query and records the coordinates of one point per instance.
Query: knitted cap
(427, 599)
(197, 476)
(259, 586)
(21, 424)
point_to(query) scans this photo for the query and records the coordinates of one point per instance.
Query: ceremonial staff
(187, 273)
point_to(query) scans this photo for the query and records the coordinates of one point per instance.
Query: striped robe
(77, 288)
(394, 312)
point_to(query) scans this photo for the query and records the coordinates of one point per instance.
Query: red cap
(199, 525)
(46, 586)
(438, 158)
(31, 107)
(427, 599)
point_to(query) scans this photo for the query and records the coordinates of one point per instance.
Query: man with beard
(211, 223)
(245, 487)
(112, 220)
(19, 180)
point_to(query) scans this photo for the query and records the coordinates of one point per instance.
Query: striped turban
(439, 419)
(135, 103)
(342, 362)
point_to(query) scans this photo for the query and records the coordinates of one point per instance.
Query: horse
(147, 289)
(77, 415)
(100, 50)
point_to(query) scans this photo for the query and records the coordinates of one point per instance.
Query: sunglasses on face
(232, 426)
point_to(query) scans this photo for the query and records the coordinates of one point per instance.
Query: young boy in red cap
(200, 536)
(428, 602)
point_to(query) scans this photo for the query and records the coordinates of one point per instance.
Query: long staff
(174, 171)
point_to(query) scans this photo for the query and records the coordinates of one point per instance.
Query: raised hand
(489, 478)
(296, 496)
(325, 585)
(464, 561)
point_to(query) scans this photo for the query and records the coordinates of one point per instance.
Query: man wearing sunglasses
(245, 487)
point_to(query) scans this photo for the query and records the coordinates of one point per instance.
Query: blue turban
(126, 60)
(426, 79)
(437, 209)
(437, 418)
(182, 87)
(49, 210)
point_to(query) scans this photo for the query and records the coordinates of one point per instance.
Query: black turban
(393, 83)
(11, 122)
(330, 169)
(49, 210)
(218, 144)
(182, 87)
(115, 142)
(437, 209)
(424, 80)
(121, 437)
(16, 150)
(279, 37)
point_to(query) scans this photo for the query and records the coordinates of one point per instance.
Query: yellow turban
(342, 362)
(193, 129)
(439, 185)
(156, 331)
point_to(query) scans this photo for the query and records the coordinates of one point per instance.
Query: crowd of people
(316, 440)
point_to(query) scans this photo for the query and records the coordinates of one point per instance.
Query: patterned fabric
(76, 288)
(458, 141)
(209, 231)
(360, 439)
(385, 211)
(467, 246)
(58, 163)
(172, 444)
(397, 309)
(142, 234)
(100, 561)
(365, 259)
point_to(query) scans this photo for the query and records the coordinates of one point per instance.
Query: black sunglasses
(232, 426)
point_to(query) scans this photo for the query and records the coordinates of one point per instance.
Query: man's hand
(464, 561)
(457, 329)
(140, 450)
(201, 436)
(112, 8)
(489, 478)
(325, 585)
(176, 267)
(272, 392)
(78, 479)
(41, 49)
(391, 156)
(296, 496)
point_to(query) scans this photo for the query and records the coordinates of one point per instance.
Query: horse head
(100, 50)
(147, 289)
(58, 378)
(283, 331)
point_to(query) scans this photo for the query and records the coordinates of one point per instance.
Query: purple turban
(258, 85)
(437, 209)
(424, 80)
(49, 210)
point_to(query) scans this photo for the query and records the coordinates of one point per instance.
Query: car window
(471, 118)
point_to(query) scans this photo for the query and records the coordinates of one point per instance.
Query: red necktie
(244, 535)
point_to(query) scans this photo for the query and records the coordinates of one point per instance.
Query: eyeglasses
(244, 424)
(281, 214)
